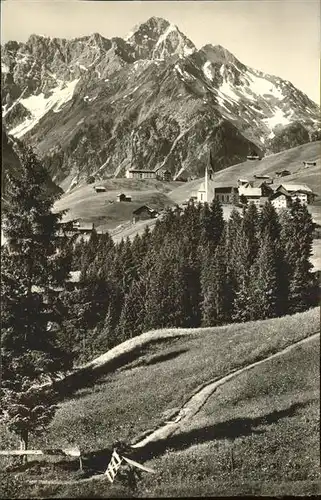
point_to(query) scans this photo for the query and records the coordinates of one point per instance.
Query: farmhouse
(300, 191)
(281, 199)
(68, 228)
(140, 174)
(100, 189)
(261, 176)
(143, 213)
(253, 157)
(252, 194)
(309, 163)
(123, 197)
(165, 175)
(266, 189)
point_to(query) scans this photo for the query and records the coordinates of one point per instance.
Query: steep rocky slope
(11, 165)
(97, 106)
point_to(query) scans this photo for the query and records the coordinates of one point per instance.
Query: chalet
(143, 213)
(262, 176)
(266, 188)
(140, 174)
(164, 175)
(253, 157)
(100, 189)
(68, 228)
(86, 228)
(298, 191)
(227, 195)
(252, 194)
(282, 173)
(281, 199)
(123, 197)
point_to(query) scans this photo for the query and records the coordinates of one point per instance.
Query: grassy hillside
(258, 435)
(273, 408)
(83, 202)
(86, 204)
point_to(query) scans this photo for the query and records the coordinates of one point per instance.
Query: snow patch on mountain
(164, 35)
(278, 118)
(4, 68)
(262, 86)
(227, 89)
(207, 70)
(187, 51)
(39, 105)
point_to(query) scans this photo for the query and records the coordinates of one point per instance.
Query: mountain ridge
(96, 106)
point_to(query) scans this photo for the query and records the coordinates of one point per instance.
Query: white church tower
(206, 191)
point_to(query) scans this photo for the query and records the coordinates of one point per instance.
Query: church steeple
(209, 182)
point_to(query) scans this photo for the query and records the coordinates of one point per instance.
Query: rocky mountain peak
(157, 38)
(94, 105)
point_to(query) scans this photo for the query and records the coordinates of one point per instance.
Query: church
(206, 191)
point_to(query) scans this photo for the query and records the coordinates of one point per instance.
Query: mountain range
(93, 106)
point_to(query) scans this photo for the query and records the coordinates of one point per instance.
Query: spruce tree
(215, 287)
(250, 227)
(217, 221)
(131, 321)
(270, 227)
(297, 238)
(34, 262)
(263, 283)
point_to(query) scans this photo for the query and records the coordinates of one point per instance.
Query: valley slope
(256, 434)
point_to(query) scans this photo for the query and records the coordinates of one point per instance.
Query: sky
(279, 37)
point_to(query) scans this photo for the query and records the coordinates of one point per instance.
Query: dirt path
(195, 403)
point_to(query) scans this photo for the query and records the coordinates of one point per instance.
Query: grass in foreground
(259, 434)
(138, 397)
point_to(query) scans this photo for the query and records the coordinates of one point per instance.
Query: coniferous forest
(194, 269)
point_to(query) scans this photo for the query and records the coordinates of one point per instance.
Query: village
(259, 189)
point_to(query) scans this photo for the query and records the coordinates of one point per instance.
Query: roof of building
(295, 187)
(280, 192)
(142, 170)
(144, 207)
(86, 226)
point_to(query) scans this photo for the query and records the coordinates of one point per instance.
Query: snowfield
(261, 86)
(39, 105)
(278, 118)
